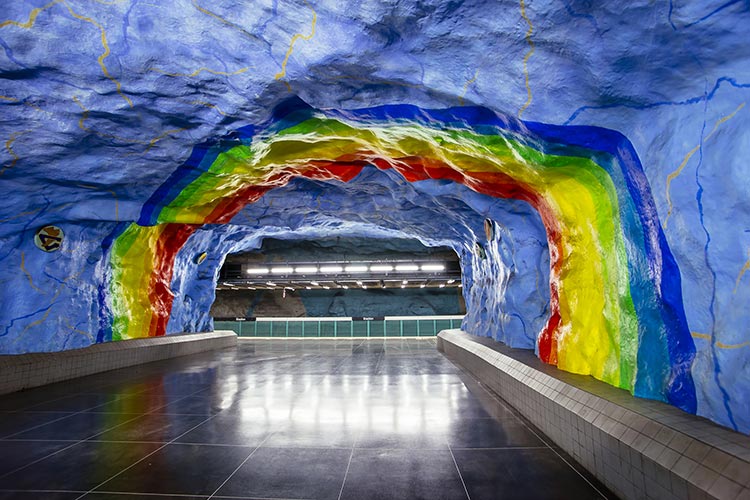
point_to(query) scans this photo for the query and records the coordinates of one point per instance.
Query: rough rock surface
(103, 101)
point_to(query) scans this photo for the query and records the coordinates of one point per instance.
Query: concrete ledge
(23, 371)
(638, 448)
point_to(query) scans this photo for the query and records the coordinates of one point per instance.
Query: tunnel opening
(339, 277)
(340, 287)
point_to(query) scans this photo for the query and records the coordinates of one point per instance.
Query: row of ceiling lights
(272, 286)
(353, 268)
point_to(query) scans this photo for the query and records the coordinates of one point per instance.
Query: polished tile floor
(295, 419)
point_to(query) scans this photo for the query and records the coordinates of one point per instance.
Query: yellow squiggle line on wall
(76, 330)
(720, 345)
(209, 105)
(466, 88)
(104, 54)
(82, 126)
(13, 99)
(22, 214)
(28, 275)
(52, 303)
(43, 318)
(200, 70)
(689, 155)
(224, 21)
(744, 269)
(12, 153)
(281, 74)
(156, 139)
(32, 16)
(526, 59)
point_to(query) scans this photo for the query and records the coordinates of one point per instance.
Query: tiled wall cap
(638, 448)
(32, 370)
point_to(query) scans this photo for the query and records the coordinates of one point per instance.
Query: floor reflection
(280, 419)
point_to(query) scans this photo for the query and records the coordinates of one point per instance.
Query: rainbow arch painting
(615, 293)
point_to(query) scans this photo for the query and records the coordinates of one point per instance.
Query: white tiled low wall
(23, 371)
(638, 448)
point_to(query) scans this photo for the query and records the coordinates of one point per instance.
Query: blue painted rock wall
(102, 101)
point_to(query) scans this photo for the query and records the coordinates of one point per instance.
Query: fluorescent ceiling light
(407, 267)
(405, 282)
(359, 283)
(257, 270)
(270, 283)
(442, 285)
(345, 287)
(326, 287)
(450, 282)
(282, 270)
(364, 287)
(314, 283)
(403, 286)
(381, 268)
(331, 269)
(308, 288)
(422, 285)
(433, 267)
(306, 269)
(356, 269)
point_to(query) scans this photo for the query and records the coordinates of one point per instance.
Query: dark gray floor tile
(136, 404)
(228, 429)
(395, 474)
(520, 474)
(39, 495)
(16, 454)
(290, 473)
(12, 423)
(405, 433)
(181, 469)
(75, 403)
(24, 399)
(152, 427)
(76, 427)
(193, 405)
(490, 433)
(145, 496)
(313, 435)
(80, 467)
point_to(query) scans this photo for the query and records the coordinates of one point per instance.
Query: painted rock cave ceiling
(608, 143)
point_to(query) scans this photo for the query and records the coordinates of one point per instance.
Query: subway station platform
(292, 419)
